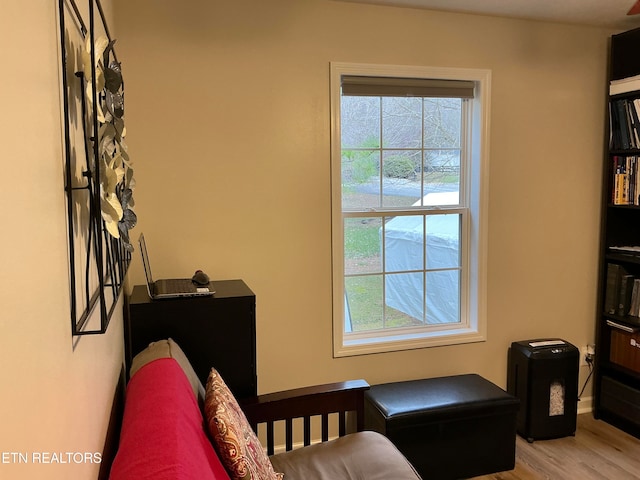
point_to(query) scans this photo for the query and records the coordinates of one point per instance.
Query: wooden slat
(270, 438)
(307, 430)
(320, 400)
(288, 434)
(325, 427)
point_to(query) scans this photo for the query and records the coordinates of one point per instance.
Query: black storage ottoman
(449, 427)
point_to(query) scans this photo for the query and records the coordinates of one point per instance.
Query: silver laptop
(173, 287)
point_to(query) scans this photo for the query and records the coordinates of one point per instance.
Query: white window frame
(473, 240)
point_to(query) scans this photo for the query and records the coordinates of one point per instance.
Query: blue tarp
(403, 243)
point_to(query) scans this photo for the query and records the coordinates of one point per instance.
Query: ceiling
(602, 13)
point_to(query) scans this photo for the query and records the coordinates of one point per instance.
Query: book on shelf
(621, 326)
(625, 294)
(624, 85)
(622, 292)
(619, 126)
(626, 249)
(626, 180)
(614, 272)
(624, 122)
(634, 121)
(634, 305)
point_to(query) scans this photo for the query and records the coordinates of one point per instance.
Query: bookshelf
(617, 365)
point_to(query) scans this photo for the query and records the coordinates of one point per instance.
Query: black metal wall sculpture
(98, 172)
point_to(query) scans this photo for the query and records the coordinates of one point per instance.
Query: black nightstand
(217, 331)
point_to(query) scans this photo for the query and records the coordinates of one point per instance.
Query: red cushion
(162, 434)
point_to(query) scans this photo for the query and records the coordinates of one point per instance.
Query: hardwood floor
(598, 451)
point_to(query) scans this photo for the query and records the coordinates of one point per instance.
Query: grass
(362, 237)
(365, 293)
(366, 306)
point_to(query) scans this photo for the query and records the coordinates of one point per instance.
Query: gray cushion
(169, 349)
(362, 455)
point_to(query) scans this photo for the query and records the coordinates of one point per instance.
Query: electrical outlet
(587, 352)
(584, 352)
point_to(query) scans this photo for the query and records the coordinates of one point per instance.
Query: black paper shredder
(543, 374)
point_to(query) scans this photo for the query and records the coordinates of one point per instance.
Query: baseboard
(585, 405)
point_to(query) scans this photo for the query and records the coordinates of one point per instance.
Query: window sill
(406, 341)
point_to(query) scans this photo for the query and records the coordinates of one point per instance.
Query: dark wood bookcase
(617, 360)
(217, 331)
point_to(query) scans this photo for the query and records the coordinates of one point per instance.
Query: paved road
(404, 188)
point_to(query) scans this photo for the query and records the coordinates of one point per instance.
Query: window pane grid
(383, 147)
(387, 292)
(384, 307)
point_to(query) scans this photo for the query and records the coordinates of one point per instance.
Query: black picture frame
(98, 262)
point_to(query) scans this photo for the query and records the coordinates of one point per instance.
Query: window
(408, 208)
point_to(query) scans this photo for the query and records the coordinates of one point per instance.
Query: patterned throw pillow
(234, 439)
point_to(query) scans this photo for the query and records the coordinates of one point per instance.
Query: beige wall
(228, 120)
(228, 123)
(56, 392)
